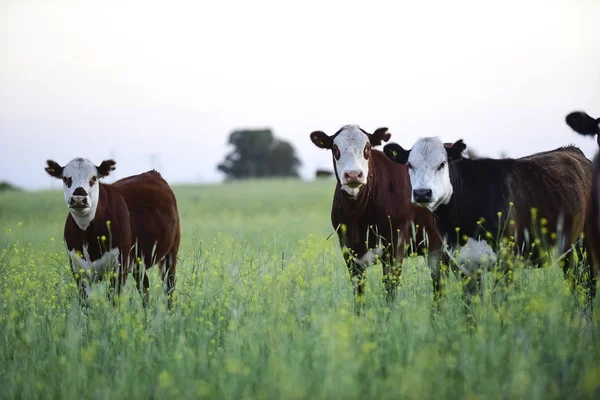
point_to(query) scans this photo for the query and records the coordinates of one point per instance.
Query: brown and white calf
(372, 211)
(118, 228)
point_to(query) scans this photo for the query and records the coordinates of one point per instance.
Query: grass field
(264, 310)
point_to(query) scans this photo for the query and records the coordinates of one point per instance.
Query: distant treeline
(5, 186)
(258, 154)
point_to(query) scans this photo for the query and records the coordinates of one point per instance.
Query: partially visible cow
(371, 208)
(123, 227)
(582, 123)
(484, 198)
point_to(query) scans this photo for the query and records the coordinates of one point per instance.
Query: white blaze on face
(428, 170)
(352, 167)
(81, 189)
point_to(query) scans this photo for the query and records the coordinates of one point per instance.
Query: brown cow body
(382, 212)
(136, 225)
(371, 210)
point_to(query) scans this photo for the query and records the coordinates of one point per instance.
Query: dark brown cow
(371, 210)
(525, 199)
(582, 123)
(120, 228)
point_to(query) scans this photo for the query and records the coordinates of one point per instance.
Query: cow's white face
(80, 184)
(428, 169)
(351, 153)
(429, 173)
(351, 150)
(81, 187)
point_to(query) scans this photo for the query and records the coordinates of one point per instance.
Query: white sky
(127, 79)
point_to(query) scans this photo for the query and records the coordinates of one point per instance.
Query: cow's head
(428, 169)
(80, 184)
(351, 151)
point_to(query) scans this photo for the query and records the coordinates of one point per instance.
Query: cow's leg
(588, 281)
(82, 289)
(79, 281)
(439, 273)
(392, 270)
(356, 269)
(580, 273)
(143, 285)
(167, 270)
(116, 283)
(471, 286)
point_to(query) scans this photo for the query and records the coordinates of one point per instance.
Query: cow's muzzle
(422, 195)
(78, 202)
(354, 179)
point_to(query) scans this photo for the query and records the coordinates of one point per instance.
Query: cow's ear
(455, 151)
(396, 153)
(54, 169)
(380, 135)
(105, 168)
(583, 124)
(322, 140)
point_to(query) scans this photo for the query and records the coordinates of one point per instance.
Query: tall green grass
(264, 309)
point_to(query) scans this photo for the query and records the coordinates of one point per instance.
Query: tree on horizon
(258, 154)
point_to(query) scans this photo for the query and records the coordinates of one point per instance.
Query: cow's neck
(447, 215)
(84, 221)
(356, 206)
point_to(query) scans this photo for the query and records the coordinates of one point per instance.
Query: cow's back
(555, 183)
(152, 209)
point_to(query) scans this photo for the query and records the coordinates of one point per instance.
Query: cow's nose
(422, 195)
(80, 192)
(353, 176)
(78, 201)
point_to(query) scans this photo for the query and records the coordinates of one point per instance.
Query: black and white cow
(514, 198)
(583, 124)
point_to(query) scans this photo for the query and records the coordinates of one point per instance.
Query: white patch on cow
(93, 270)
(370, 257)
(429, 170)
(351, 142)
(81, 173)
(475, 254)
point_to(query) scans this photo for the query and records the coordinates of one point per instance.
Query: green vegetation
(5, 186)
(264, 310)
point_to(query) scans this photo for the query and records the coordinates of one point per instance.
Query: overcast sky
(129, 79)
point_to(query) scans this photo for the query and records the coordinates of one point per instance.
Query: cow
(583, 124)
(490, 199)
(116, 229)
(371, 209)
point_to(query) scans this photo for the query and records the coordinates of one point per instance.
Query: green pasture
(264, 310)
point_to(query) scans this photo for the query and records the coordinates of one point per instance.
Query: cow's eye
(336, 152)
(93, 180)
(441, 166)
(367, 151)
(68, 181)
